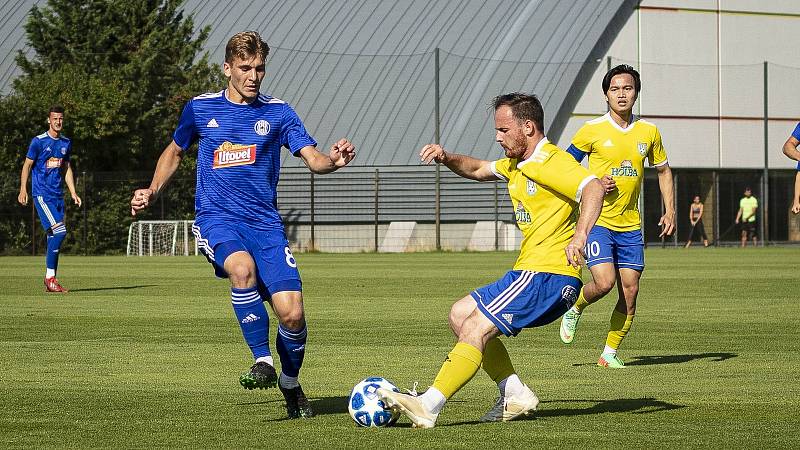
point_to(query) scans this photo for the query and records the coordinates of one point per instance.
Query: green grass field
(145, 353)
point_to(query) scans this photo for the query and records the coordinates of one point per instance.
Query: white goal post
(161, 237)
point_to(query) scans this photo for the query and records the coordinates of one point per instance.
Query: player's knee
(293, 319)
(604, 285)
(242, 275)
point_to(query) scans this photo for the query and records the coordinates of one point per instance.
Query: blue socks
(291, 345)
(253, 319)
(54, 240)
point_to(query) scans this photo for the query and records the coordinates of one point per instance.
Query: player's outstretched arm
(340, 155)
(591, 205)
(790, 148)
(69, 180)
(167, 164)
(22, 198)
(462, 165)
(667, 222)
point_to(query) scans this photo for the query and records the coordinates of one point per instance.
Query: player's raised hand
(342, 152)
(576, 255)
(608, 184)
(667, 224)
(140, 200)
(431, 153)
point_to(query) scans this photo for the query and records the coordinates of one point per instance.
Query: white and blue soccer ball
(366, 408)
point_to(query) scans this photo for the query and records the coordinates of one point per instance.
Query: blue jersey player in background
(237, 225)
(47, 159)
(790, 150)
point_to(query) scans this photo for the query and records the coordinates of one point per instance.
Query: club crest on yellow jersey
(642, 147)
(531, 187)
(625, 169)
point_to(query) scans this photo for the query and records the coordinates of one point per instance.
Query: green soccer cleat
(260, 376)
(610, 360)
(297, 405)
(569, 324)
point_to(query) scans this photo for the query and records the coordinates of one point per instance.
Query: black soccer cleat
(260, 376)
(297, 405)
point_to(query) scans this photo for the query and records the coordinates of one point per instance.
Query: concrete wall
(702, 79)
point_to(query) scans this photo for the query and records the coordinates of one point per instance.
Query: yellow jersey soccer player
(617, 144)
(546, 185)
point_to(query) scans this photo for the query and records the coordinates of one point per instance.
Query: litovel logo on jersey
(230, 155)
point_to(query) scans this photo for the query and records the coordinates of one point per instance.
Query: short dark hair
(523, 107)
(621, 69)
(55, 109)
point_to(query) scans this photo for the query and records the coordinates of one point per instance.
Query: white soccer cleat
(410, 405)
(509, 408)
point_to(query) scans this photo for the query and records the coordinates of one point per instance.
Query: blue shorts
(50, 210)
(623, 248)
(275, 265)
(524, 299)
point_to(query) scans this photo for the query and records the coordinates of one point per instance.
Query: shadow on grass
(677, 359)
(670, 359)
(645, 405)
(116, 288)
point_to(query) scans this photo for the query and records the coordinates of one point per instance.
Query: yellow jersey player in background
(617, 144)
(546, 186)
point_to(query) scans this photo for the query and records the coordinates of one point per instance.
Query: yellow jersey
(620, 152)
(545, 190)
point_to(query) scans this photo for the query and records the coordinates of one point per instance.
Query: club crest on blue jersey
(261, 128)
(642, 146)
(230, 155)
(531, 187)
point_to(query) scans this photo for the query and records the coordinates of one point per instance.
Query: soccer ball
(366, 408)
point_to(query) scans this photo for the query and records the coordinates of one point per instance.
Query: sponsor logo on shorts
(53, 163)
(261, 128)
(569, 294)
(230, 155)
(625, 169)
(508, 318)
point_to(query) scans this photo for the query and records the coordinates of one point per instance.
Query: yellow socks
(461, 365)
(496, 361)
(580, 303)
(620, 324)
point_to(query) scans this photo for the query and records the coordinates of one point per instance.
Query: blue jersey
(49, 155)
(238, 156)
(796, 135)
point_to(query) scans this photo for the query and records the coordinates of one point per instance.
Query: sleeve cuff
(582, 185)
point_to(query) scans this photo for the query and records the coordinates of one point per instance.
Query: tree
(122, 69)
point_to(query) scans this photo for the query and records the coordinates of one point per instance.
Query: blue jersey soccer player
(617, 144)
(546, 187)
(237, 225)
(790, 150)
(47, 159)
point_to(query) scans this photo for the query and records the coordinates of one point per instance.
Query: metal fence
(363, 209)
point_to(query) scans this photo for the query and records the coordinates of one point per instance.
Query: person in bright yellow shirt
(617, 144)
(748, 207)
(546, 186)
